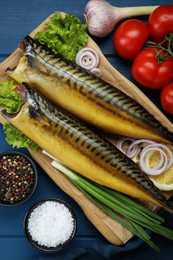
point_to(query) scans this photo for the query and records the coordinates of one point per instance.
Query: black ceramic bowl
(18, 178)
(37, 244)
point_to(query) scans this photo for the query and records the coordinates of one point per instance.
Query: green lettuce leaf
(16, 138)
(64, 36)
(10, 100)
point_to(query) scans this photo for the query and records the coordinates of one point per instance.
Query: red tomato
(130, 37)
(166, 98)
(149, 73)
(160, 22)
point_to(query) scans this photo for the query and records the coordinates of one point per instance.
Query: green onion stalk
(131, 215)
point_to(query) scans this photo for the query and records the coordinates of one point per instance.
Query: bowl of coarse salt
(50, 225)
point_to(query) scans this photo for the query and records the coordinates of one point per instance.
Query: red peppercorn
(15, 178)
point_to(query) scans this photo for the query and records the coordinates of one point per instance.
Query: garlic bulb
(102, 17)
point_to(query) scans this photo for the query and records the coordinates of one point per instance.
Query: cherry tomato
(130, 37)
(160, 22)
(148, 72)
(166, 98)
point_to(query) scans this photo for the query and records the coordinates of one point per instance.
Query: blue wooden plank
(18, 248)
(19, 18)
(3, 57)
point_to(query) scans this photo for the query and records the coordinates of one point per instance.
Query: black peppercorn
(16, 178)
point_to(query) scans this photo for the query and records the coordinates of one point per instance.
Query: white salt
(50, 224)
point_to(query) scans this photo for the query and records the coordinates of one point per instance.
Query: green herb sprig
(130, 214)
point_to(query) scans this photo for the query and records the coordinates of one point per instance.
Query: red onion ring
(147, 148)
(170, 163)
(146, 168)
(87, 58)
(121, 141)
(133, 148)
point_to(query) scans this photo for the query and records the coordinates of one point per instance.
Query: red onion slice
(133, 147)
(164, 163)
(144, 148)
(170, 162)
(143, 162)
(96, 71)
(121, 141)
(87, 58)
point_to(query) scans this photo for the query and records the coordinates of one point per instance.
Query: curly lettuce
(16, 138)
(64, 35)
(10, 100)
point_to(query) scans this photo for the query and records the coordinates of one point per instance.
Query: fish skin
(85, 95)
(81, 149)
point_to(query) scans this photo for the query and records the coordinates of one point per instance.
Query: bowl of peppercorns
(18, 178)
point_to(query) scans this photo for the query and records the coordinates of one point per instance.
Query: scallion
(130, 214)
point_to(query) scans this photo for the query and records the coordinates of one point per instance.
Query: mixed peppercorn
(16, 178)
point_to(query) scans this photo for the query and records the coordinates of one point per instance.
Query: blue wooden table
(19, 18)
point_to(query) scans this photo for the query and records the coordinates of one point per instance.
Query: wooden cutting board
(109, 228)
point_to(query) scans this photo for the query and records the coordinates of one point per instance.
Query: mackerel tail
(69, 140)
(85, 95)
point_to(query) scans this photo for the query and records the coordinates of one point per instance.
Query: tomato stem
(166, 45)
(160, 57)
